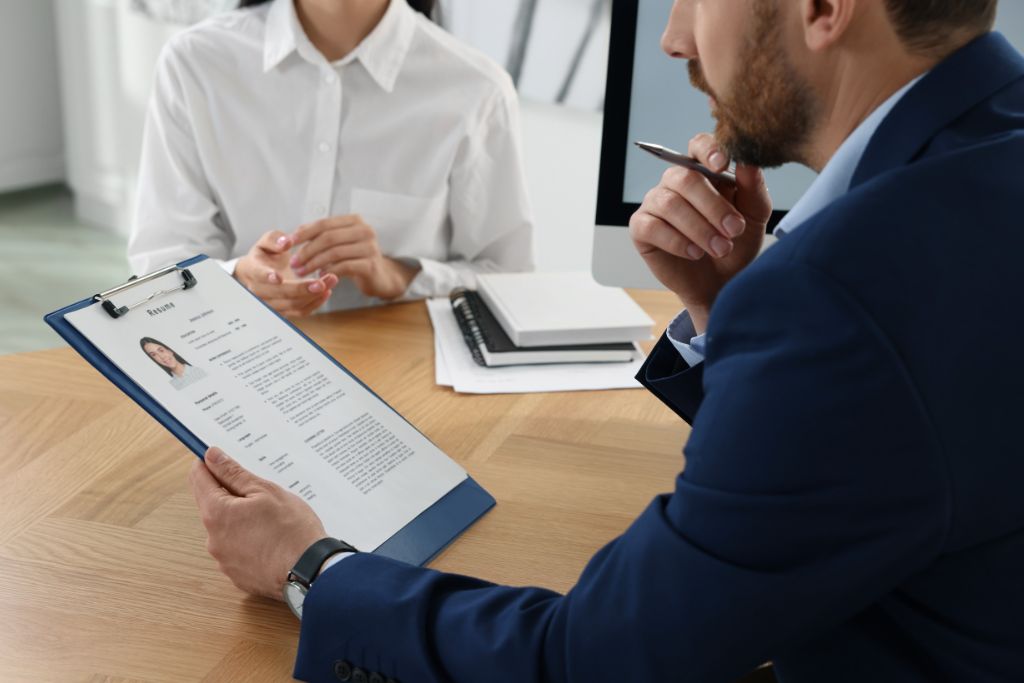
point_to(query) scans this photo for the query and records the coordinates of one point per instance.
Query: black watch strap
(309, 564)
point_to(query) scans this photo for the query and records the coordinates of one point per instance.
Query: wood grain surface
(103, 570)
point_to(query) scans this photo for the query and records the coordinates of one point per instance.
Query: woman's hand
(345, 246)
(266, 273)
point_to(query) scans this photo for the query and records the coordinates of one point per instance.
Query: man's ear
(825, 21)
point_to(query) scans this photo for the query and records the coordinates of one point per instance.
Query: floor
(49, 260)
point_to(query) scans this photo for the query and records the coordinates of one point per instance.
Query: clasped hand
(297, 284)
(345, 246)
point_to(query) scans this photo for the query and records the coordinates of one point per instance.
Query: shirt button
(330, 78)
(323, 147)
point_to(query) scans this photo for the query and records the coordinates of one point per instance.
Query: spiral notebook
(492, 347)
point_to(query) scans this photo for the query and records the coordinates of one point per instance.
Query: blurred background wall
(76, 76)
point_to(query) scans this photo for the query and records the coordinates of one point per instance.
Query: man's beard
(768, 115)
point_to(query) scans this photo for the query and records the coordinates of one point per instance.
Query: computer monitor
(649, 97)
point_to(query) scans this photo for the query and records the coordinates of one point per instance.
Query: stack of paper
(454, 366)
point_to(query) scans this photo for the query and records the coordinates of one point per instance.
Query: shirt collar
(834, 180)
(382, 52)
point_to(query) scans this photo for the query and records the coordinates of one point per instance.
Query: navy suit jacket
(852, 506)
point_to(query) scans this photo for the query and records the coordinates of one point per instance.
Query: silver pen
(673, 157)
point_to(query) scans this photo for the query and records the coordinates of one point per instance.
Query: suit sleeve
(814, 485)
(676, 384)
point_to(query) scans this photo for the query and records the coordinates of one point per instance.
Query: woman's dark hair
(424, 6)
(150, 340)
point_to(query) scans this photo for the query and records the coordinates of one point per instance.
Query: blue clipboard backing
(416, 543)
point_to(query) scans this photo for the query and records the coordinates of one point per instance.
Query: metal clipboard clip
(188, 282)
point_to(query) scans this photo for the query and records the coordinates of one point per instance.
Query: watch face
(295, 595)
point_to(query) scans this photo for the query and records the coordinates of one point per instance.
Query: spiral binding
(466, 318)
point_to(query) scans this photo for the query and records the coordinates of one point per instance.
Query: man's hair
(929, 26)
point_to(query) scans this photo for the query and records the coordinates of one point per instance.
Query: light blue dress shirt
(830, 185)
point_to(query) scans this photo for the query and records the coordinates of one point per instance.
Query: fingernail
(694, 252)
(282, 240)
(717, 161)
(299, 270)
(215, 456)
(295, 260)
(316, 287)
(720, 246)
(272, 276)
(733, 225)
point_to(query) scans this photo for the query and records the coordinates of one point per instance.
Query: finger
(668, 205)
(299, 289)
(268, 287)
(205, 488)
(696, 189)
(291, 309)
(344, 252)
(752, 198)
(347, 234)
(274, 242)
(300, 307)
(705, 149)
(354, 269)
(648, 231)
(310, 231)
(311, 309)
(232, 476)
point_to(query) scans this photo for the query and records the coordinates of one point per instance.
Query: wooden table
(104, 574)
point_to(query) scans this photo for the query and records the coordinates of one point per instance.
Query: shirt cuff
(229, 265)
(692, 350)
(434, 279)
(332, 560)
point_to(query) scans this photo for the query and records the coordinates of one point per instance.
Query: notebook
(491, 347)
(560, 309)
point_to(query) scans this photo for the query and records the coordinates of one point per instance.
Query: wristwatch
(300, 578)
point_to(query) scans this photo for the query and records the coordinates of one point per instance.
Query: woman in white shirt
(338, 152)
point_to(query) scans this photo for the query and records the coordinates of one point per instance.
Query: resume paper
(240, 378)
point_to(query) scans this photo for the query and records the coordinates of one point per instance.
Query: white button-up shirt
(250, 129)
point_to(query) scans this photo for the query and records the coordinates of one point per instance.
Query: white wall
(107, 57)
(87, 34)
(31, 144)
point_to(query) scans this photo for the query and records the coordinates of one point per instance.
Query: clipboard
(415, 543)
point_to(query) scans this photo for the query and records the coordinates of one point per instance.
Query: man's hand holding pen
(696, 235)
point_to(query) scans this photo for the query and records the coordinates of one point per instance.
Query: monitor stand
(616, 262)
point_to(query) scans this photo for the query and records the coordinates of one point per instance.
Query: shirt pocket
(406, 226)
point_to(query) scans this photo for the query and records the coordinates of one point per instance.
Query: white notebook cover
(542, 309)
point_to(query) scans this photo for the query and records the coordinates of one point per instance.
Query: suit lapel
(969, 76)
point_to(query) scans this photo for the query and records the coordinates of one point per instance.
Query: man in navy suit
(852, 504)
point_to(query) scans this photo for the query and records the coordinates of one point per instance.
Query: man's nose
(677, 40)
